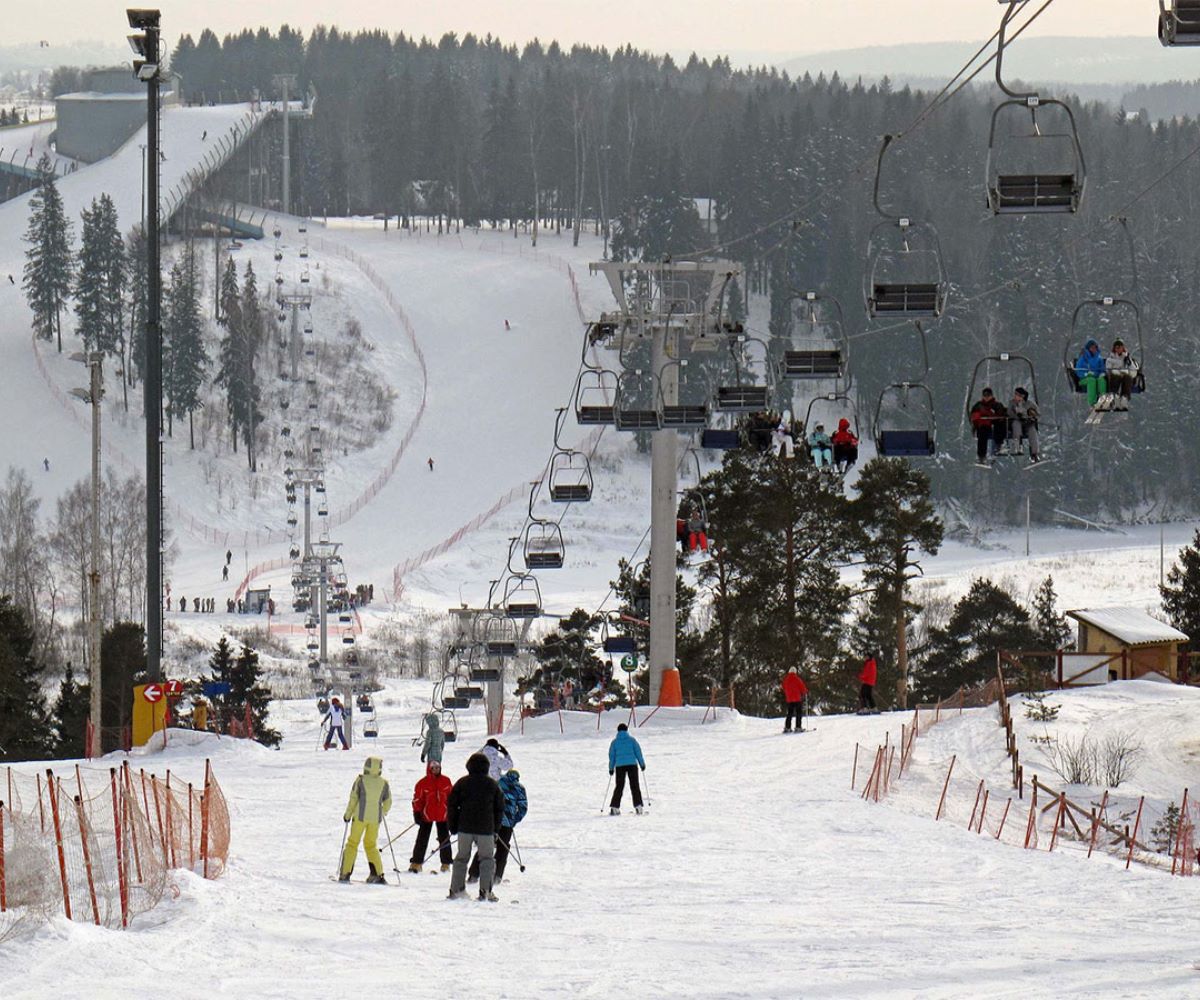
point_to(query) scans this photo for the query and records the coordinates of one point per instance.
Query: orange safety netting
(103, 854)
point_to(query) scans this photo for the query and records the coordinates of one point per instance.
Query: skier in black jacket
(475, 811)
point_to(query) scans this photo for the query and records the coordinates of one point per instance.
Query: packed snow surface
(756, 872)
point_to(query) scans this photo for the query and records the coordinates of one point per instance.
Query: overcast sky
(779, 27)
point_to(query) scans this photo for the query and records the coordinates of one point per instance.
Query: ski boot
(444, 868)
(415, 867)
(488, 897)
(456, 893)
(614, 811)
(638, 810)
(376, 878)
(344, 877)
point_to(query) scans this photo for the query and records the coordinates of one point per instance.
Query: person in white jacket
(336, 717)
(498, 759)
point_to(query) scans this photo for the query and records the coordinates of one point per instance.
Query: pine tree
(114, 273)
(245, 690)
(1052, 629)
(895, 514)
(48, 261)
(25, 729)
(1181, 592)
(243, 322)
(137, 308)
(185, 360)
(122, 665)
(70, 713)
(90, 305)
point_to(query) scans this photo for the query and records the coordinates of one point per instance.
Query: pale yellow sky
(783, 27)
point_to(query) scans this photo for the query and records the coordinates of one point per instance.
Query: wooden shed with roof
(1128, 643)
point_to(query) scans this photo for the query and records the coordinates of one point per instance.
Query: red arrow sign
(173, 689)
(152, 693)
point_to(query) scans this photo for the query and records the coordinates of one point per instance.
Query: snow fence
(99, 847)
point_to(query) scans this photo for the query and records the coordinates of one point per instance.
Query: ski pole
(517, 851)
(342, 849)
(606, 788)
(647, 784)
(399, 835)
(388, 833)
(438, 848)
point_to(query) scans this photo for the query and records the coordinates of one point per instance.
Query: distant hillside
(34, 57)
(1120, 61)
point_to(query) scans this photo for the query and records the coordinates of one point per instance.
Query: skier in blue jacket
(1090, 369)
(624, 759)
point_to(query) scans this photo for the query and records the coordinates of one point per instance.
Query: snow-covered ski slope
(756, 873)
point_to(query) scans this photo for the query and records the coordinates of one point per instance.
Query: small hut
(1129, 643)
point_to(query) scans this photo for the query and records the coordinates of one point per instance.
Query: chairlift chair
(1027, 380)
(1108, 306)
(322, 509)
(468, 691)
(522, 596)
(1049, 183)
(745, 394)
(1179, 22)
(905, 277)
(304, 253)
(684, 415)
(500, 636)
(906, 442)
(595, 396)
(543, 545)
(635, 407)
(811, 361)
(616, 644)
(570, 477)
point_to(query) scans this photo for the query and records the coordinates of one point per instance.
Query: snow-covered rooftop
(1131, 625)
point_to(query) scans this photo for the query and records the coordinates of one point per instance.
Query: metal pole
(1162, 556)
(663, 507)
(287, 158)
(1026, 524)
(153, 386)
(307, 518)
(294, 342)
(324, 630)
(95, 360)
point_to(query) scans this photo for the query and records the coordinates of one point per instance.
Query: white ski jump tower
(669, 317)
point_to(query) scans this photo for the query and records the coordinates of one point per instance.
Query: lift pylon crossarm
(1179, 22)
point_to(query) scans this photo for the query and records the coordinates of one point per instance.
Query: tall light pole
(145, 44)
(93, 395)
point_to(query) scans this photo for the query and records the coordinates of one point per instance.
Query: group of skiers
(1108, 380)
(795, 693)
(200, 605)
(1000, 430)
(838, 452)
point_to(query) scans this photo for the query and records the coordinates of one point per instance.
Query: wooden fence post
(3, 884)
(58, 841)
(945, 786)
(1177, 854)
(1007, 806)
(1096, 823)
(975, 807)
(1031, 825)
(1133, 840)
(854, 771)
(87, 858)
(122, 870)
(1058, 819)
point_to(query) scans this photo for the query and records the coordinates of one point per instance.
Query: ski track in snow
(755, 873)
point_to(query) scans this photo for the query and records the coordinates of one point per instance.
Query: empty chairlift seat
(911, 300)
(481, 673)
(906, 444)
(813, 364)
(1179, 23)
(543, 545)
(570, 477)
(1024, 194)
(595, 393)
(620, 644)
(720, 439)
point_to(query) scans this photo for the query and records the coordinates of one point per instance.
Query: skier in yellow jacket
(370, 800)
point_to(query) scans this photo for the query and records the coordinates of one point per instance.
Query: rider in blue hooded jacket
(624, 759)
(1090, 370)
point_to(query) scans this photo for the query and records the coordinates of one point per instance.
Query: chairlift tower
(285, 81)
(322, 554)
(676, 306)
(297, 301)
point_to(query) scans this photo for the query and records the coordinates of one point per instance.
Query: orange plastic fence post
(170, 825)
(1133, 840)
(1177, 853)
(58, 842)
(945, 787)
(1007, 806)
(1096, 823)
(122, 872)
(130, 803)
(191, 840)
(79, 781)
(87, 858)
(3, 884)
(204, 816)
(162, 835)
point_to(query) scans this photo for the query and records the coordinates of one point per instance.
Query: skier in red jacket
(429, 807)
(868, 676)
(794, 693)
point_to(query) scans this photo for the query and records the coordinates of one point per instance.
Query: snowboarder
(336, 716)
(867, 676)
(989, 420)
(498, 759)
(430, 462)
(429, 808)
(370, 800)
(845, 446)
(435, 739)
(794, 692)
(516, 804)
(474, 812)
(624, 759)
(225, 572)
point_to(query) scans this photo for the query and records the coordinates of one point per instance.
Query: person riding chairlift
(1090, 370)
(988, 420)
(821, 448)
(697, 531)
(1121, 371)
(845, 446)
(1023, 422)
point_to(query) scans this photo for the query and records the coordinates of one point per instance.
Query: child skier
(474, 812)
(435, 739)
(429, 808)
(336, 717)
(516, 804)
(624, 759)
(370, 800)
